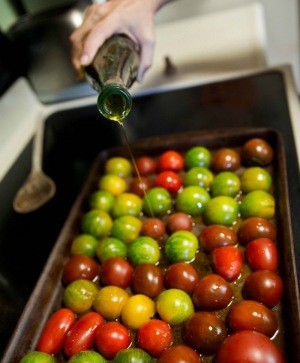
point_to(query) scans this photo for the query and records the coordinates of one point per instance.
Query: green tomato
(197, 156)
(79, 295)
(111, 247)
(118, 166)
(258, 204)
(157, 202)
(38, 357)
(97, 223)
(181, 246)
(199, 176)
(84, 244)
(126, 228)
(87, 356)
(101, 199)
(174, 306)
(226, 183)
(256, 178)
(113, 184)
(126, 204)
(132, 355)
(192, 200)
(143, 250)
(221, 210)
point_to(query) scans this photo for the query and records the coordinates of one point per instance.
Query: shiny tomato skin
(262, 254)
(256, 227)
(179, 222)
(181, 275)
(217, 235)
(55, 331)
(111, 337)
(227, 262)
(180, 354)
(153, 227)
(148, 279)
(80, 267)
(250, 347)
(139, 186)
(146, 165)
(170, 160)
(257, 151)
(82, 335)
(225, 159)
(169, 180)
(154, 337)
(116, 271)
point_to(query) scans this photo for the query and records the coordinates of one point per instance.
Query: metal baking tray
(47, 294)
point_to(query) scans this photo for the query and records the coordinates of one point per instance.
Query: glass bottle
(112, 72)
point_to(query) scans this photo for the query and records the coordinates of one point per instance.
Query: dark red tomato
(211, 293)
(225, 159)
(217, 235)
(80, 267)
(257, 151)
(227, 262)
(179, 354)
(148, 279)
(82, 335)
(256, 227)
(55, 331)
(116, 271)
(249, 346)
(181, 275)
(112, 337)
(155, 336)
(252, 315)
(179, 222)
(146, 165)
(169, 180)
(139, 186)
(261, 254)
(153, 227)
(263, 286)
(170, 160)
(204, 331)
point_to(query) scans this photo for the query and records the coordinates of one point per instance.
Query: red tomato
(116, 271)
(153, 227)
(179, 354)
(225, 159)
(111, 337)
(148, 279)
(256, 227)
(146, 165)
(154, 337)
(217, 235)
(55, 331)
(80, 267)
(179, 222)
(181, 275)
(139, 186)
(82, 335)
(227, 262)
(170, 160)
(169, 180)
(249, 346)
(261, 254)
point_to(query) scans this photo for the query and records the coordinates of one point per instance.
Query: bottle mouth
(114, 103)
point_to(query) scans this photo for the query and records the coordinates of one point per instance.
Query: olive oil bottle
(112, 72)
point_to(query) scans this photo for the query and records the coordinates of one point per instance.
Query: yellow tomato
(113, 184)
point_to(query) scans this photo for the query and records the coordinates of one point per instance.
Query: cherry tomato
(111, 247)
(148, 279)
(85, 356)
(116, 271)
(80, 267)
(225, 159)
(139, 186)
(154, 337)
(221, 210)
(263, 286)
(249, 346)
(197, 156)
(119, 166)
(255, 227)
(82, 335)
(132, 355)
(84, 244)
(257, 151)
(204, 331)
(261, 254)
(170, 160)
(157, 202)
(169, 180)
(181, 276)
(179, 354)
(154, 228)
(228, 262)
(97, 223)
(146, 165)
(179, 222)
(216, 236)
(55, 331)
(126, 228)
(143, 250)
(126, 204)
(181, 246)
(38, 357)
(192, 200)
(252, 315)
(112, 337)
(211, 293)
(113, 184)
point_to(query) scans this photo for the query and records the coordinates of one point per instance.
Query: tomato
(211, 293)
(263, 286)
(148, 279)
(181, 276)
(217, 236)
(126, 204)
(225, 183)
(258, 204)
(261, 254)
(157, 202)
(154, 228)
(179, 354)
(82, 335)
(146, 165)
(116, 271)
(38, 357)
(169, 180)
(137, 311)
(257, 151)
(199, 176)
(126, 228)
(111, 247)
(197, 156)
(80, 267)
(143, 250)
(204, 331)
(221, 210)
(109, 301)
(55, 331)
(192, 200)
(225, 159)
(154, 337)
(118, 166)
(170, 160)
(174, 306)
(249, 346)
(101, 199)
(252, 315)
(256, 178)
(84, 244)
(97, 223)
(113, 184)
(140, 186)
(112, 337)
(181, 246)
(133, 355)
(179, 222)
(87, 356)
(255, 227)
(227, 262)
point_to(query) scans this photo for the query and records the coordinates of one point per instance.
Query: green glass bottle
(112, 72)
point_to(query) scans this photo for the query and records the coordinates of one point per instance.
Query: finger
(146, 59)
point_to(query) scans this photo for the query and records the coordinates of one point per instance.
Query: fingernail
(84, 59)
